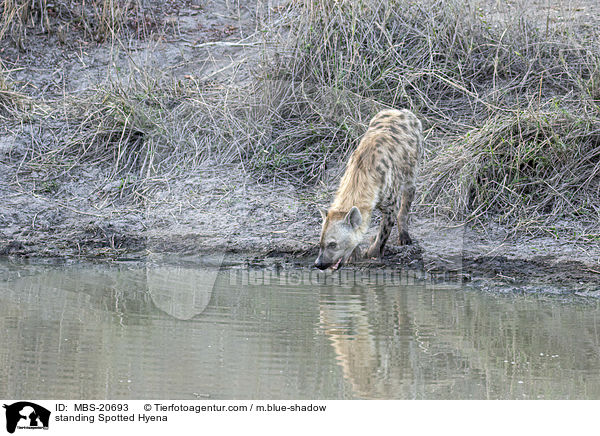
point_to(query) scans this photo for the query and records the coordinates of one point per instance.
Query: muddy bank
(223, 210)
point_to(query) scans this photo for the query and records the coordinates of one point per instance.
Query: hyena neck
(357, 189)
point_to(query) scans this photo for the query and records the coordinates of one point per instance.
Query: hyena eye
(332, 245)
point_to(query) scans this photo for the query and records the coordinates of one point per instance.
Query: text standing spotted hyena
(380, 174)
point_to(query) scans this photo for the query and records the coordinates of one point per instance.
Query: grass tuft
(95, 19)
(527, 167)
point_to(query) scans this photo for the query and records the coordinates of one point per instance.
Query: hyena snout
(321, 262)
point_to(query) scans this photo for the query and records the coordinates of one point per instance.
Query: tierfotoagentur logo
(26, 415)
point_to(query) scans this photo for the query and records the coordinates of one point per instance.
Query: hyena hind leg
(375, 251)
(408, 194)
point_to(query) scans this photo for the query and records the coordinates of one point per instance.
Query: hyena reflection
(380, 174)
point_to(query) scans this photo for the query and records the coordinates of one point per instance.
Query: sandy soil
(223, 208)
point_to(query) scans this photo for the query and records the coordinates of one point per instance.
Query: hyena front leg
(385, 228)
(408, 194)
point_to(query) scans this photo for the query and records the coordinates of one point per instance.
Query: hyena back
(381, 174)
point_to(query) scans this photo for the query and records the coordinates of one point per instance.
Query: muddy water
(187, 332)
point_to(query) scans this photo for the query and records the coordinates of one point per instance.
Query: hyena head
(340, 235)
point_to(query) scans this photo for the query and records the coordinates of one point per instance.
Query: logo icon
(26, 415)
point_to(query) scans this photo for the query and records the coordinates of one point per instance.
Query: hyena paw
(404, 238)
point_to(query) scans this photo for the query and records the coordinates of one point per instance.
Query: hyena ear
(323, 213)
(353, 217)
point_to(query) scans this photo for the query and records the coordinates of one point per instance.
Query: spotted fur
(380, 173)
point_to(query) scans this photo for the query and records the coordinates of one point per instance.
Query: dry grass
(439, 58)
(95, 19)
(11, 102)
(510, 108)
(527, 167)
(120, 127)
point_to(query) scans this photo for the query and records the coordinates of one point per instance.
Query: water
(129, 331)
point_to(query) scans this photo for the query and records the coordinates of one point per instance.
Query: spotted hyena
(380, 174)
